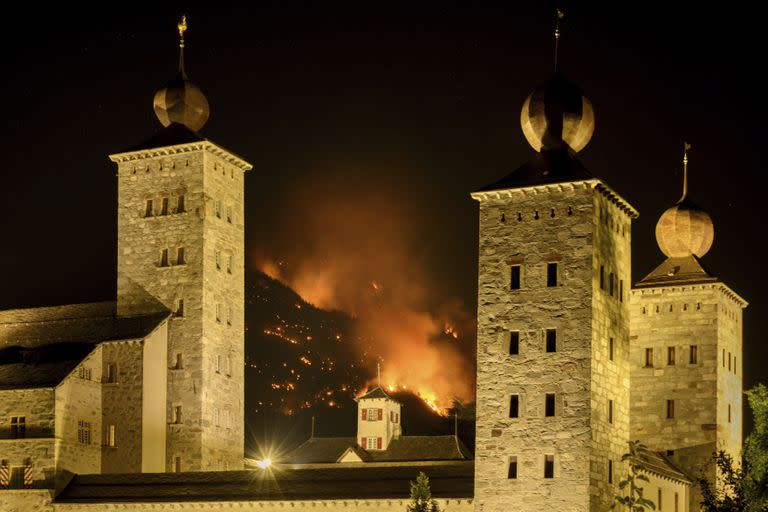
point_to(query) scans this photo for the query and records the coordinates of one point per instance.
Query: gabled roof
(660, 465)
(377, 392)
(558, 166)
(40, 367)
(675, 271)
(317, 450)
(329, 482)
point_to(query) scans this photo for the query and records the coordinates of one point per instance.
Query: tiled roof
(329, 482)
(675, 271)
(376, 392)
(39, 367)
(401, 449)
(657, 463)
(547, 167)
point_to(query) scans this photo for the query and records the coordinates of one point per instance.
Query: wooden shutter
(378, 442)
(362, 416)
(362, 443)
(380, 413)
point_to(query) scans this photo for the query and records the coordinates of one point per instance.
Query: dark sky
(422, 102)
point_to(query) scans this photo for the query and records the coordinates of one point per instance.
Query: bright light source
(264, 463)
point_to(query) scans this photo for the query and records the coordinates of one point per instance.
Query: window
(549, 404)
(610, 284)
(177, 414)
(602, 277)
(514, 343)
(180, 204)
(229, 315)
(649, 358)
(216, 416)
(671, 356)
(218, 312)
(514, 280)
(621, 290)
(374, 414)
(729, 361)
(217, 256)
(229, 264)
(112, 436)
(180, 257)
(658, 501)
(694, 355)
(551, 274)
(217, 208)
(179, 308)
(610, 349)
(149, 208)
(164, 258)
(670, 409)
(549, 466)
(218, 364)
(179, 362)
(734, 365)
(229, 214)
(729, 413)
(164, 206)
(84, 373)
(18, 427)
(84, 432)
(610, 471)
(177, 464)
(514, 406)
(610, 411)
(677, 502)
(110, 373)
(512, 470)
(551, 340)
(373, 443)
(723, 358)
(229, 366)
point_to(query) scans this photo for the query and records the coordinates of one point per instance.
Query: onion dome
(557, 114)
(181, 101)
(685, 229)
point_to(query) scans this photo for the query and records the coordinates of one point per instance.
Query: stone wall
(532, 227)
(26, 501)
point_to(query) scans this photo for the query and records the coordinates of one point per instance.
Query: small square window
(149, 209)
(549, 404)
(514, 406)
(164, 206)
(549, 466)
(514, 280)
(180, 256)
(551, 274)
(180, 207)
(551, 340)
(514, 343)
(512, 470)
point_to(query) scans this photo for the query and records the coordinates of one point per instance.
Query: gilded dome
(557, 113)
(182, 102)
(685, 229)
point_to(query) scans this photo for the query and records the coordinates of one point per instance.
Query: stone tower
(180, 249)
(553, 321)
(686, 349)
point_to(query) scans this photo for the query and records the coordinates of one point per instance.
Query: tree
(634, 500)
(745, 488)
(421, 496)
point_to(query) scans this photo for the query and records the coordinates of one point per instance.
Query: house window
(671, 356)
(164, 206)
(610, 349)
(670, 409)
(514, 406)
(549, 466)
(149, 208)
(551, 340)
(621, 290)
(180, 204)
(18, 427)
(229, 214)
(177, 414)
(229, 264)
(729, 361)
(610, 471)
(512, 470)
(551, 274)
(514, 280)
(373, 443)
(514, 343)
(610, 411)
(677, 502)
(374, 414)
(177, 464)
(734, 365)
(180, 257)
(164, 258)
(694, 355)
(659, 500)
(179, 308)
(610, 284)
(84, 432)
(229, 366)
(179, 362)
(112, 436)
(549, 404)
(723, 358)
(649, 358)
(110, 374)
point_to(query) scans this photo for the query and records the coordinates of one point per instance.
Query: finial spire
(559, 15)
(378, 373)
(182, 27)
(686, 147)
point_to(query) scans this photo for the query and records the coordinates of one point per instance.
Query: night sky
(393, 115)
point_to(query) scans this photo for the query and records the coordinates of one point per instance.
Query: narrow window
(729, 361)
(551, 340)
(670, 409)
(179, 308)
(729, 413)
(659, 500)
(649, 358)
(180, 257)
(549, 466)
(218, 312)
(179, 362)
(514, 281)
(698, 306)
(149, 208)
(217, 208)
(602, 277)
(610, 471)
(677, 502)
(229, 366)
(84, 432)
(621, 290)
(514, 406)
(164, 206)
(112, 436)
(229, 214)
(164, 258)
(217, 256)
(549, 404)
(514, 343)
(551, 274)
(110, 376)
(229, 264)
(610, 284)
(671, 356)
(180, 204)
(229, 315)
(694, 356)
(610, 349)
(734, 365)
(218, 364)
(18, 427)
(177, 414)
(723, 358)
(610, 411)
(177, 464)
(512, 470)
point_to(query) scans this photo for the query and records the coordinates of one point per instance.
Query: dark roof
(43, 366)
(676, 271)
(656, 462)
(376, 392)
(557, 166)
(401, 449)
(171, 135)
(447, 480)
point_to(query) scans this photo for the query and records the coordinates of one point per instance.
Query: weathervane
(559, 15)
(182, 27)
(686, 147)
